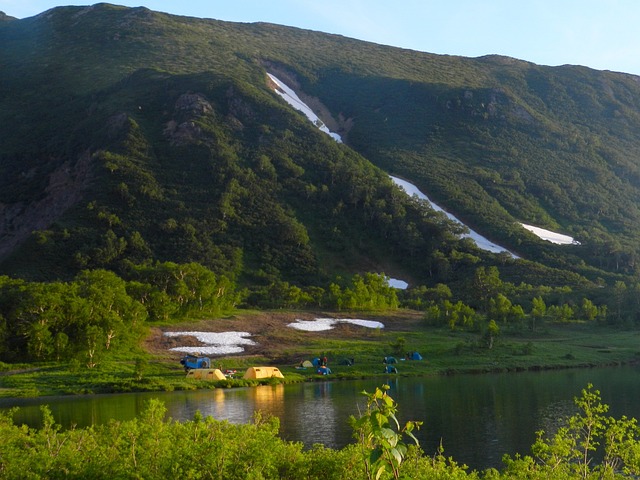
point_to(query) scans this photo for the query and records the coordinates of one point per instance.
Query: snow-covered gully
(289, 95)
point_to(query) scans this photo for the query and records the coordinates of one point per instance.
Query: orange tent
(254, 373)
(206, 374)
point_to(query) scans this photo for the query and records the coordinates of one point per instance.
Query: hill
(133, 136)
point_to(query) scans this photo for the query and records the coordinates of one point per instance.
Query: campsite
(325, 363)
(272, 343)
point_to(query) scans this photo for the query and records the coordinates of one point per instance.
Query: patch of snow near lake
(553, 237)
(215, 343)
(292, 99)
(323, 324)
(480, 241)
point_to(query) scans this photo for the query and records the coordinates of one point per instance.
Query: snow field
(323, 324)
(215, 343)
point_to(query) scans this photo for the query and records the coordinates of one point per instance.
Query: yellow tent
(206, 374)
(262, 372)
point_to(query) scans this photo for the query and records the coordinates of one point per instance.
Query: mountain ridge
(496, 140)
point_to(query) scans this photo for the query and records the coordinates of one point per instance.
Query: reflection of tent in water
(206, 374)
(262, 372)
(390, 360)
(414, 356)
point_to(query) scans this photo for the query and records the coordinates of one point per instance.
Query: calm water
(478, 418)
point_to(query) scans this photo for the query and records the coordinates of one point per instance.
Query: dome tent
(256, 373)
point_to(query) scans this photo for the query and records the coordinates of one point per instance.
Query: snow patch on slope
(480, 241)
(399, 284)
(549, 236)
(292, 99)
(290, 96)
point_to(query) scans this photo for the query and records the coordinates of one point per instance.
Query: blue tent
(415, 356)
(390, 360)
(390, 369)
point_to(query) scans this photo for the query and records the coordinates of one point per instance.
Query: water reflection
(316, 415)
(477, 418)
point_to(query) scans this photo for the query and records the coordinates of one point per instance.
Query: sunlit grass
(443, 352)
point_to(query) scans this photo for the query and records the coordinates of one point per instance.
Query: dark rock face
(67, 184)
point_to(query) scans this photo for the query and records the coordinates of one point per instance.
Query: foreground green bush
(151, 446)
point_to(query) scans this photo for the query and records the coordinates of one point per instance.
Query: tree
(60, 344)
(113, 311)
(538, 311)
(486, 284)
(516, 315)
(500, 308)
(493, 330)
(588, 311)
(40, 341)
(93, 345)
(560, 313)
(619, 296)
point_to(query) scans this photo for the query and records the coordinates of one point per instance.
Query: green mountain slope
(134, 136)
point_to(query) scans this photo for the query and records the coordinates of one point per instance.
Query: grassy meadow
(156, 368)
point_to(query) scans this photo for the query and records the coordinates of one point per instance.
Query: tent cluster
(320, 364)
(252, 373)
(255, 373)
(390, 361)
(321, 368)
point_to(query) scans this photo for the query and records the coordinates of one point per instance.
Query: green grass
(443, 351)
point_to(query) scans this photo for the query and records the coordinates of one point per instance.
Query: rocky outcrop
(183, 129)
(64, 190)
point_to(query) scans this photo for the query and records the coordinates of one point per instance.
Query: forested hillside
(132, 137)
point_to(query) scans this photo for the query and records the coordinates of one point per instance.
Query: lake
(478, 418)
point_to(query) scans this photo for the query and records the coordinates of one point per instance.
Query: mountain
(133, 136)
(5, 18)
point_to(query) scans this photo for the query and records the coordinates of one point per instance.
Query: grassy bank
(156, 368)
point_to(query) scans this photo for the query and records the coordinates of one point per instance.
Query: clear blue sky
(601, 34)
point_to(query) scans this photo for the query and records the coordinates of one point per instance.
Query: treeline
(589, 444)
(491, 299)
(370, 291)
(99, 313)
(484, 297)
